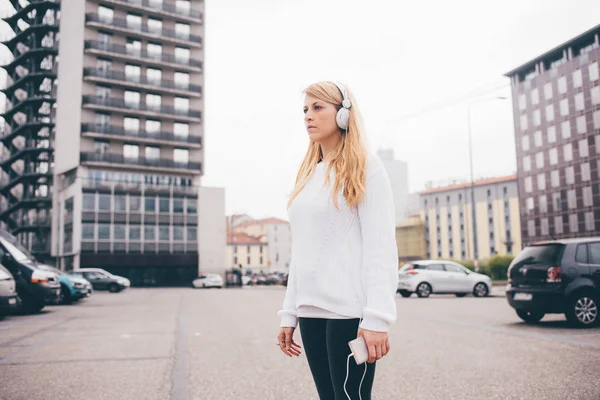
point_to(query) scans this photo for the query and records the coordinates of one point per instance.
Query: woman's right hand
(287, 343)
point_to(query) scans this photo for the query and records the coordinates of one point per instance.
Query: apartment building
(556, 106)
(447, 212)
(410, 239)
(247, 251)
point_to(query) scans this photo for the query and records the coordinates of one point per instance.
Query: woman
(343, 272)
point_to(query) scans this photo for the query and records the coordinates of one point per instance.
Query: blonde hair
(349, 159)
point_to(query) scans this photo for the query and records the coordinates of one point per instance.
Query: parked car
(560, 276)
(35, 287)
(72, 287)
(8, 293)
(103, 280)
(208, 281)
(441, 277)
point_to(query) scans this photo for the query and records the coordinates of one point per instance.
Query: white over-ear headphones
(343, 115)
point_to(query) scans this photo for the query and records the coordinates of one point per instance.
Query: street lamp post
(473, 211)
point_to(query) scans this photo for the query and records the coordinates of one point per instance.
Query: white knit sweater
(344, 262)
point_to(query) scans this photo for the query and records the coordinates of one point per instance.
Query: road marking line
(181, 367)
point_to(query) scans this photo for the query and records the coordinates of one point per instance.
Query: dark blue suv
(560, 276)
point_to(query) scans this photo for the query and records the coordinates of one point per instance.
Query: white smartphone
(360, 350)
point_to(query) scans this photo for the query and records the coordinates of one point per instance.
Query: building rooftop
(264, 221)
(481, 182)
(243, 239)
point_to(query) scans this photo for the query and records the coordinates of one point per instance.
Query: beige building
(446, 212)
(247, 251)
(410, 239)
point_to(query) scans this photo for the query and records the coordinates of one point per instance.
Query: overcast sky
(411, 65)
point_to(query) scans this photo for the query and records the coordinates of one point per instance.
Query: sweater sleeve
(380, 252)
(288, 315)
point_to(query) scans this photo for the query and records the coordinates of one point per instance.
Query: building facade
(124, 174)
(247, 252)
(410, 239)
(556, 106)
(398, 174)
(447, 213)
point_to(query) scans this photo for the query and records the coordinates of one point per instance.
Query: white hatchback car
(441, 277)
(208, 281)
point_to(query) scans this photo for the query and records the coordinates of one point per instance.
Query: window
(556, 201)
(131, 151)
(178, 233)
(579, 103)
(133, 72)
(153, 126)
(539, 160)
(594, 252)
(182, 104)
(135, 232)
(588, 199)
(164, 233)
(106, 14)
(584, 150)
(103, 231)
(581, 254)
(152, 153)
(553, 154)
(153, 101)
(192, 206)
(149, 233)
(192, 234)
(182, 54)
(541, 181)
(551, 134)
(589, 221)
(597, 139)
(181, 156)
(570, 175)
(531, 228)
(182, 80)
(102, 119)
(593, 69)
(573, 223)
(522, 102)
(537, 139)
(524, 123)
(118, 232)
(132, 99)
(155, 26)
(154, 50)
(550, 112)
(571, 199)
(595, 95)
(150, 204)
(104, 202)
(135, 203)
(89, 202)
(543, 203)
(181, 129)
(528, 184)
(88, 231)
(597, 119)
(562, 85)
(548, 91)
(554, 179)
(535, 97)
(154, 76)
(131, 124)
(134, 47)
(544, 226)
(103, 65)
(525, 143)
(134, 21)
(182, 30)
(101, 147)
(529, 205)
(566, 129)
(568, 152)
(581, 124)
(577, 79)
(537, 119)
(164, 205)
(103, 92)
(183, 5)
(558, 224)
(178, 206)
(105, 38)
(120, 202)
(585, 172)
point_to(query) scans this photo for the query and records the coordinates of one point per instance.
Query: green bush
(497, 266)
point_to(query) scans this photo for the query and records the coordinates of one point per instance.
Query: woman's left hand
(378, 344)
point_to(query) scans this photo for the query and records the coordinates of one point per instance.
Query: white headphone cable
(348, 373)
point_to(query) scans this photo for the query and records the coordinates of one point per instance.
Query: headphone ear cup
(343, 118)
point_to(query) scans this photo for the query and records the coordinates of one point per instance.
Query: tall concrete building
(398, 173)
(123, 183)
(449, 225)
(556, 106)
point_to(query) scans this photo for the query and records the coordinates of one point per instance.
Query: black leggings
(326, 344)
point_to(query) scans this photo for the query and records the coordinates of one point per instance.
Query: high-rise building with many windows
(556, 103)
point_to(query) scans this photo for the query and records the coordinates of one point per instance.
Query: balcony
(116, 132)
(145, 109)
(88, 183)
(142, 55)
(127, 27)
(115, 77)
(160, 7)
(146, 163)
